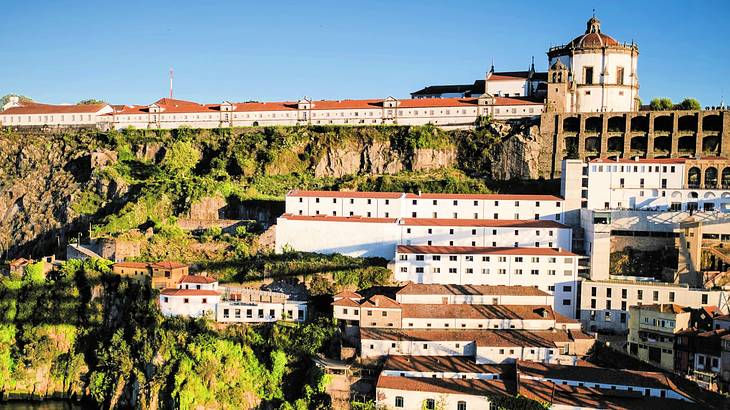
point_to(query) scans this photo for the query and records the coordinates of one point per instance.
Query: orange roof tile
(197, 279)
(380, 301)
(38, 108)
(135, 265)
(168, 265)
(495, 197)
(497, 290)
(189, 292)
(476, 387)
(336, 218)
(467, 311)
(344, 194)
(487, 223)
(480, 250)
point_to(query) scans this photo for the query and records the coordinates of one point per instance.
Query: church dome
(593, 38)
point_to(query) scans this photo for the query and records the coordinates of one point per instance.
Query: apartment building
(491, 323)
(605, 304)
(247, 305)
(168, 113)
(358, 236)
(424, 205)
(554, 271)
(699, 356)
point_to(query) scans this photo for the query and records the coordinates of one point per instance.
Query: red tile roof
(337, 218)
(485, 223)
(38, 108)
(594, 374)
(458, 364)
(490, 197)
(135, 265)
(198, 279)
(344, 194)
(497, 290)
(480, 250)
(664, 308)
(189, 292)
(348, 294)
(467, 311)
(476, 387)
(380, 301)
(347, 302)
(482, 337)
(168, 265)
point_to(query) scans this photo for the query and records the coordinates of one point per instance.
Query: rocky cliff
(54, 185)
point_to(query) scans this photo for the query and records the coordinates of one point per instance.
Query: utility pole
(171, 77)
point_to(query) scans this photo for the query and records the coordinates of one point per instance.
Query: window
(655, 296)
(186, 300)
(588, 75)
(436, 257)
(623, 293)
(461, 405)
(419, 269)
(399, 401)
(704, 298)
(620, 75)
(430, 404)
(404, 269)
(452, 258)
(518, 271)
(420, 257)
(640, 294)
(534, 272)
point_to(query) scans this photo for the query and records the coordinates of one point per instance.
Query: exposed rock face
(379, 157)
(38, 177)
(518, 156)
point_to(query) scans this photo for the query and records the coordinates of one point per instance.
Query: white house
(194, 296)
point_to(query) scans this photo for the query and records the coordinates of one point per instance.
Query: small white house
(194, 296)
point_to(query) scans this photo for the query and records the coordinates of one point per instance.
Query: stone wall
(646, 134)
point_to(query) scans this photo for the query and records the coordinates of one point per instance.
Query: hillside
(55, 186)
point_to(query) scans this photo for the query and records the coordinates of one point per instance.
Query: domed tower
(602, 73)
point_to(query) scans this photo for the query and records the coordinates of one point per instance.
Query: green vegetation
(115, 349)
(6, 98)
(661, 104)
(91, 101)
(665, 104)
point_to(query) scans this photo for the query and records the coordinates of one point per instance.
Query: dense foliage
(90, 334)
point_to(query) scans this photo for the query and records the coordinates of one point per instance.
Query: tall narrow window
(588, 75)
(620, 76)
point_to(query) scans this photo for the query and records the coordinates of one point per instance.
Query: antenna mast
(171, 77)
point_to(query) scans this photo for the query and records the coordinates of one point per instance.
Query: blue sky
(66, 50)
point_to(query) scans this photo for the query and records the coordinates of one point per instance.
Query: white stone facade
(550, 270)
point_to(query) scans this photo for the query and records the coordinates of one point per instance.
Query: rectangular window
(620, 75)
(588, 75)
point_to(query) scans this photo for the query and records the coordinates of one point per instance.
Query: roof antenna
(171, 77)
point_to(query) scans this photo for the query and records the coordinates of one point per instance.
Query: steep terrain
(57, 185)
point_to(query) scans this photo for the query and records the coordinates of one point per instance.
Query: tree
(690, 104)
(34, 273)
(91, 101)
(181, 158)
(661, 104)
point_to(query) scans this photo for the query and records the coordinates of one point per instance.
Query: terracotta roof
(508, 76)
(38, 108)
(458, 364)
(168, 265)
(266, 106)
(579, 334)
(467, 311)
(344, 194)
(495, 197)
(337, 218)
(595, 398)
(482, 250)
(594, 374)
(135, 265)
(564, 319)
(482, 337)
(497, 290)
(347, 302)
(347, 294)
(189, 292)
(380, 301)
(476, 387)
(197, 279)
(487, 223)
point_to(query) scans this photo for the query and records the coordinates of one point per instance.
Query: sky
(63, 51)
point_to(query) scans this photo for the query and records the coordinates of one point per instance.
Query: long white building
(551, 270)
(168, 113)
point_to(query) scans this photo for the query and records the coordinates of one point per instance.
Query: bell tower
(558, 97)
